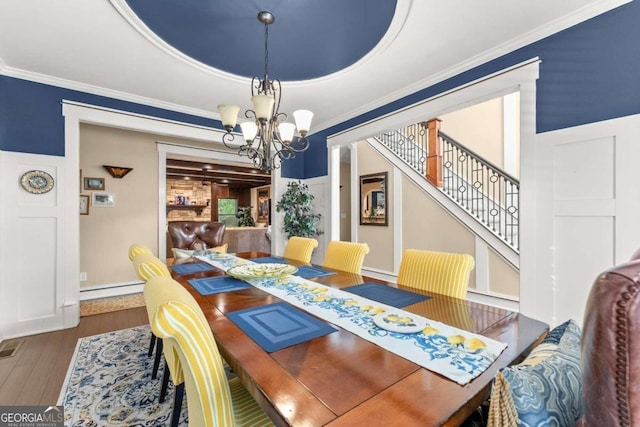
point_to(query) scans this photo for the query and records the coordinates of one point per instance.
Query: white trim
(468, 94)
(510, 133)
(113, 290)
(355, 190)
(101, 91)
(398, 204)
(77, 113)
(482, 265)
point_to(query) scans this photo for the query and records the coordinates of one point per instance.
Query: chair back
(147, 266)
(345, 256)
(208, 395)
(160, 290)
(137, 249)
(300, 248)
(196, 235)
(439, 272)
(611, 348)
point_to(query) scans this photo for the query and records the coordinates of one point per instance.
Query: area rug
(107, 305)
(109, 383)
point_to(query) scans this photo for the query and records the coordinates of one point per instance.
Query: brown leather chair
(611, 349)
(191, 234)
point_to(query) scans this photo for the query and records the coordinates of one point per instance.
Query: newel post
(434, 154)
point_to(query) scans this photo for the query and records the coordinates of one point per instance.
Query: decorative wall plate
(36, 182)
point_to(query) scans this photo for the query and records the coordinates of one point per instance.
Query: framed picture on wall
(263, 205)
(84, 205)
(102, 199)
(93, 183)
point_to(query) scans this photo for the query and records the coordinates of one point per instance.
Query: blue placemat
(279, 325)
(192, 268)
(386, 294)
(308, 272)
(266, 259)
(218, 284)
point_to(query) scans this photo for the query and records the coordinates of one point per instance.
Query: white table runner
(454, 353)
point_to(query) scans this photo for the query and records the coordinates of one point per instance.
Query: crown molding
(539, 33)
(101, 91)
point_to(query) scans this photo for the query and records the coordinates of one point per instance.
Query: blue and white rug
(109, 383)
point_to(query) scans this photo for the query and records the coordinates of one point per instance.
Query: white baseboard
(113, 290)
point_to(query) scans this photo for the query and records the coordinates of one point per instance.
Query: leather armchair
(611, 348)
(190, 234)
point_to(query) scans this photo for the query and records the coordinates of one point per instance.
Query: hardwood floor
(34, 374)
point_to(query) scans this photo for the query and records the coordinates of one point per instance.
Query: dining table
(343, 379)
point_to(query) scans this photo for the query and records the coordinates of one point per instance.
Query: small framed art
(102, 199)
(93, 183)
(84, 205)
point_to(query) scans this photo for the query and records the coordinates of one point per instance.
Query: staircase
(488, 193)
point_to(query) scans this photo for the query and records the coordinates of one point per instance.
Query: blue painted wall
(589, 73)
(31, 118)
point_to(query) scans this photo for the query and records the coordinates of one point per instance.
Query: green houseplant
(299, 219)
(244, 217)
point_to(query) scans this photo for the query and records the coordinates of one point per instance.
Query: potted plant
(244, 217)
(299, 219)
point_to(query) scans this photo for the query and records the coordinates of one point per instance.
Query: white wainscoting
(34, 296)
(586, 208)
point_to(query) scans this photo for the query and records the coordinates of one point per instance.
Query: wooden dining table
(341, 379)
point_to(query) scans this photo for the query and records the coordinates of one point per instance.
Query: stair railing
(480, 187)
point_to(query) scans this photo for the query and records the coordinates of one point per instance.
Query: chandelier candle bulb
(303, 120)
(286, 131)
(249, 131)
(229, 115)
(263, 106)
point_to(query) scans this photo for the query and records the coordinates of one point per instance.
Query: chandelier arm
(303, 141)
(228, 137)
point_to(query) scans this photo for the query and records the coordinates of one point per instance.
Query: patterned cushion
(187, 253)
(546, 388)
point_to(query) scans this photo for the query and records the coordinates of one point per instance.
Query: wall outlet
(83, 276)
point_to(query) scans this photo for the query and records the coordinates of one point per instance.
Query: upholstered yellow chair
(157, 291)
(148, 266)
(345, 256)
(439, 272)
(300, 248)
(137, 249)
(212, 399)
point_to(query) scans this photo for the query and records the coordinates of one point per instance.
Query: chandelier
(268, 138)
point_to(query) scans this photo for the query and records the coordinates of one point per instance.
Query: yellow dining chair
(137, 249)
(212, 399)
(148, 266)
(439, 272)
(300, 248)
(345, 256)
(157, 291)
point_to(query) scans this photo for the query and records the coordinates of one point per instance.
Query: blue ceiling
(309, 38)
